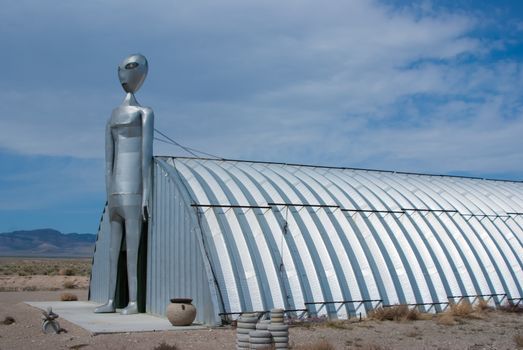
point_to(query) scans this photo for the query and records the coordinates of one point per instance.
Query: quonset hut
(242, 236)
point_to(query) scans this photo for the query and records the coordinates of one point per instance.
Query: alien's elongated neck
(130, 100)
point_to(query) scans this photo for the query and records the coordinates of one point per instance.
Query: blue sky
(417, 86)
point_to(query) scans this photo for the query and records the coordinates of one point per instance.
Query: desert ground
(468, 327)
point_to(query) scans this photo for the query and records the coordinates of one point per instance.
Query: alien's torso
(126, 130)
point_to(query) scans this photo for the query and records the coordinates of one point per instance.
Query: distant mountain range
(46, 243)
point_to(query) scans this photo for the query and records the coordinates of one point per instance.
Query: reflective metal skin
(240, 236)
(128, 156)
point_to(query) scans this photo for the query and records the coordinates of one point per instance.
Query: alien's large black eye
(131, 65)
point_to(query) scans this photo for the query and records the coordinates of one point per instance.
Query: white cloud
(353, 83)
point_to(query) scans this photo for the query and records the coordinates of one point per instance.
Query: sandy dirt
(497, 330)
(42, 283)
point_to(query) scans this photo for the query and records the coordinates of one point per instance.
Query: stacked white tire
(245, 324)
(280, 335)
(251, 334)
(277, 316)
(279, 330)
(262, 325)
(260, 340)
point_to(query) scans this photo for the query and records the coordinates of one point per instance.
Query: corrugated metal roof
(249, 236)
(279, 235)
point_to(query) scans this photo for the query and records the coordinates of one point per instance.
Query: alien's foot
(131, 308)
(105, 308)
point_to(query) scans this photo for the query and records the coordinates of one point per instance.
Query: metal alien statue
(128, 157)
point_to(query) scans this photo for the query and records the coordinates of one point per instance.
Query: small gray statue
(128, 156)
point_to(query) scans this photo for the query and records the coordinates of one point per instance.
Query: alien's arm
(147, 155)
(109, 157)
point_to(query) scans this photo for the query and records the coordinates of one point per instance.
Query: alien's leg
(133, 228)
(114, 252)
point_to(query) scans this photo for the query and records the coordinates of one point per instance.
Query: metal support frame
(304, 205)
(476, 297)
(307, 313)
(225, 315)
(492, 217)
(431, 210)
(417, 305)
(357, 303)
(228, 206)
(373, 211)
(301, 313)
(401, 211)
(515, 305)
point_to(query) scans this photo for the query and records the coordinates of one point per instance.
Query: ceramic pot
(180, 312)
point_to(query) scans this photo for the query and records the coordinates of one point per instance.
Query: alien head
(132, 72)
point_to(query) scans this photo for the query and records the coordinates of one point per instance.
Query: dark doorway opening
(122, 287)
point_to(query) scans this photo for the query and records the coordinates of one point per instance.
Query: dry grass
(446, 319)
(518, 339)
(51, 267)
(397, 313)
(482, 306)
(463, 310)
(68, 297)
(66, 272)
(319, 345)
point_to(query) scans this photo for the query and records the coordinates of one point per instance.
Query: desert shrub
(66, 272)
(319, 345)
(68, 284)
(461, 309)
(27, 270)
(382, 313)
(8, 320)
(464, 309)
(165, 346)
(482, 306)
(446, 319)
(415, 314)
(29, 288)
(396, 313)
(68, 297)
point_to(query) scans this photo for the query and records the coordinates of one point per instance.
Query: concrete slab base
(81, 313)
